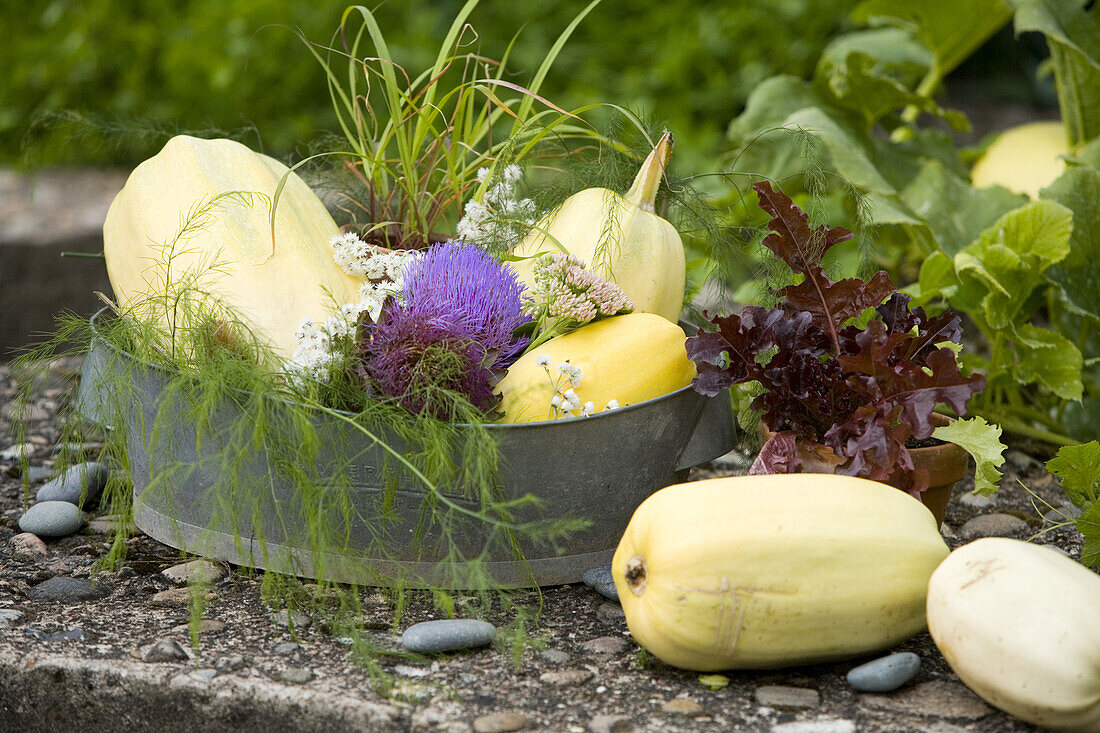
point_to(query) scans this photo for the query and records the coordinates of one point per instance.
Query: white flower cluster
(359, 259)
(318, 346)
(499, 218)
(316, 354)
(565, 400)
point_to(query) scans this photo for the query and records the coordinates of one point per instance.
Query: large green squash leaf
(952, 32)
(1009, 258)
(1078, 275)
(1072, 28)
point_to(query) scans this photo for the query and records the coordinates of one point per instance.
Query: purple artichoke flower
(453, 329)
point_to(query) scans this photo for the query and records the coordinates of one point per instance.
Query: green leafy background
(207, 63)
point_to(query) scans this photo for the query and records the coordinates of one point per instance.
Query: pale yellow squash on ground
(1020, 625)
(1023, 159)
(629, 359)
(619, 237)
(271, 286)
(774, 571)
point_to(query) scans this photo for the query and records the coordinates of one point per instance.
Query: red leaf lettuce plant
(840, 397)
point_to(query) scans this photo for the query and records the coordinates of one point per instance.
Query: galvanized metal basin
(598, 468)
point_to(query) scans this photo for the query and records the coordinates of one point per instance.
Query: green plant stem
(1019, 427)
(927, 85)
(439, 496)
(1079, 121)
(1031, 413)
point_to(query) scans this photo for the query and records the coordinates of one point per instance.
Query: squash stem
(643, 193)
(636, 575)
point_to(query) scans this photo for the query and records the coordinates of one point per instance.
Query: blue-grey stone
(83, 479)
(10, 617)
(66, 590)
(295, 675)
(35, 474)
(225, 665)
(555, 656)
(608, 590)
(599, 575)
(34, 632)
(51, 519)
(886, 673)
(287, 618)
(1063, 514)
(165, 650)
(446, 635)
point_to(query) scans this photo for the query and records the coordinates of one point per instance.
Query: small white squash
(1020, 625)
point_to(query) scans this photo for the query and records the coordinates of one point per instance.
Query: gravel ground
(597, 680)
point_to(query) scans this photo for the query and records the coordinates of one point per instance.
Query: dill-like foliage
(219, 453)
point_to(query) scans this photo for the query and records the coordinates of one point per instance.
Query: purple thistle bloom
(478, 297)
(453, 330)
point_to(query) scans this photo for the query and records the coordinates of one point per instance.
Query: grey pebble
(610, 724)
(231, 663)
(606, 645)
(83, 479)
(51, 519)
(601, 579)
(125, 573)
(17, 452)
(565, 677)
(203, 675)
(408, 670)
(110, 524)
(285, 619)
(10, 617)
(555, 656)
(977, 501)
(285, 650)
(993, 525)
(196, 572)
(783, 696)
(295, 675)
(599, 575)
(500, 722)
(35, 474)
(27, 547)
(34, 632)
(1020, 460)
(445, 635)
(836, 725)
(64, 589)
(165, 650)
(1063, 514)
(884, 674)
(608, 590)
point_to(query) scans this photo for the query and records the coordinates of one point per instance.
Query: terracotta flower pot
(946, 464)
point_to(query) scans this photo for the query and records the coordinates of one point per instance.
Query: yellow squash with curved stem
(629, 359)
(227, 254)
(774, 571)
(619, 237)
